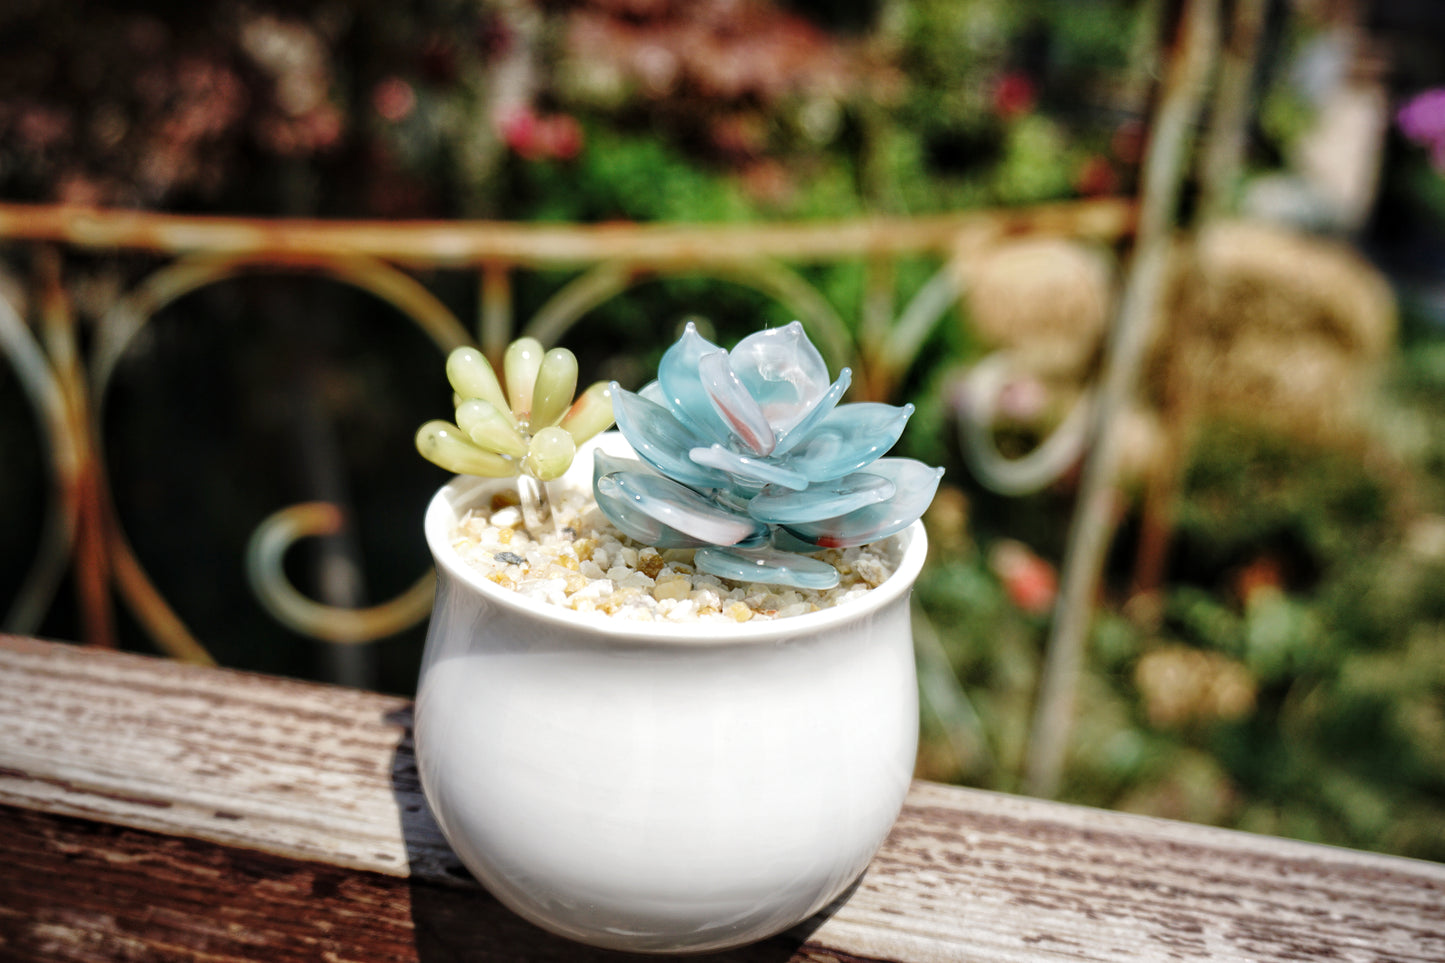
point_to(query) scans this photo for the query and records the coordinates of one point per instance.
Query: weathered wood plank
(309, 771)
(78, 890)
(209, 762)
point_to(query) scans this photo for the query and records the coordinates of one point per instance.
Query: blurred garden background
(1267, 649)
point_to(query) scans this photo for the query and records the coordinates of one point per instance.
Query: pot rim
(463, 492)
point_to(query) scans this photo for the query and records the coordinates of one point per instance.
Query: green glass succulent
(529, 430)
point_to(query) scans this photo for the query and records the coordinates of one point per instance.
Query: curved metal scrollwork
(118, 329)
(57, 533)
(264, 555)
(280, 530)
(1026, 474)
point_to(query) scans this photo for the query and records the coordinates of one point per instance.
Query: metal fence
(67, 376)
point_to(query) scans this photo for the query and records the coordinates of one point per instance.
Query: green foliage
(1248, 490)
(1035, 163)
(992, 649)
(1301, 634)
(623, 176)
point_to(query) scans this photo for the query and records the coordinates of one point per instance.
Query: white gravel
(585, 564)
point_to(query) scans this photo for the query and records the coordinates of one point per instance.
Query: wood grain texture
(78, 890)
(160, 811)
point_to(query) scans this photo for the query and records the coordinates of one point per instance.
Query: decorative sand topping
(587, 565)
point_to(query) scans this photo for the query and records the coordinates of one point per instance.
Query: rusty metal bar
(91, 563)
(475, 243)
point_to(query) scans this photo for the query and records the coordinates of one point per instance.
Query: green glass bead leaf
(550, 453)
(444, 444)
(556, 383)
(489, 428)
(471, 376)
(590, 413)
(520, 364)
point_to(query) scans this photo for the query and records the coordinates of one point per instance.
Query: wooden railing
(151, 810)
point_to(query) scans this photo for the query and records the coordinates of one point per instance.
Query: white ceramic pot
(661, 787)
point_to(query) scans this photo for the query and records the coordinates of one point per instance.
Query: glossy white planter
(656, 787)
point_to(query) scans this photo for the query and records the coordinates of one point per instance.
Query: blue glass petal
(678, 507)
(652, 391)
(604, 463)
(785, 542)
(766, 565)
(661, 440)
(748, 473)
(630, 520)
(780, 506)
(677, 376)
(848, 438)
(789, 437)
(734, 405)
(783, 371)
(915, 483)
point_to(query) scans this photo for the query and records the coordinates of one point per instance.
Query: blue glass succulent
(748, 457)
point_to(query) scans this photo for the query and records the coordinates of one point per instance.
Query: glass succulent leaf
(686, 398)
(552, 392)
(550, 453)
(661, 440)
(444, 444)
(767, 565)
(680, 508)
(914, 484)
(590, 413)
(489, 428)
(623, 514)
(789, 437)
(732, 402)
(749, 473)
(783, 506)
(471, 376)
(848, 438)
(520, 364)
(531, 426)
(782, 371)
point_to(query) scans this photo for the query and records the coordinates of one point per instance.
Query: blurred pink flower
(767, 181)
(533, 137)
(394, 99)
(1013, 95)
(42, 126)
(563, 136)
(1029, 581)
(521, 132)
(1096, 177)
(1023, 398)
(1422, 120)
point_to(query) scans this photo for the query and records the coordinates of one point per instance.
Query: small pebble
(507, 518)
(676, 587)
